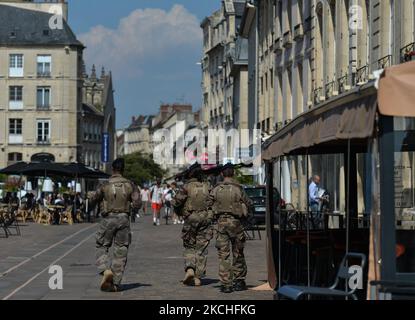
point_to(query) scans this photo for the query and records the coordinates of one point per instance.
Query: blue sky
(151, 46)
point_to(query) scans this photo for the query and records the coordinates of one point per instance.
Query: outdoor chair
(251, 228)
(9, 221)
(44, 216)
(30, 215)
(36, 213)
(79, 216)
(22, 214)
(3, 225)
(343, 276)
(66, 216)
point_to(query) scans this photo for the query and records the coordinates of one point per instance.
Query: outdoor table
(56, 211)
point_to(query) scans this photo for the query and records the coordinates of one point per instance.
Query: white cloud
(143, 35)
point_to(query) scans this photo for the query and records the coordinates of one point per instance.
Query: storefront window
(404, 198)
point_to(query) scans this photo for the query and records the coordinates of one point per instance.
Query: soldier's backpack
(197, 196)
(228, 200)
(118, 194)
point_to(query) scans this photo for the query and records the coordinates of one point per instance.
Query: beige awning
(397, 91)
(351, 116)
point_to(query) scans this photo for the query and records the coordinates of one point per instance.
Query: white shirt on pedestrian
(145, 195)
(157, 196)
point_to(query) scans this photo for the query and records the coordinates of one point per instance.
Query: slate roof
(20, 26)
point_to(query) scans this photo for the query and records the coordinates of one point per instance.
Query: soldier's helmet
(194, 171)
(228, 170)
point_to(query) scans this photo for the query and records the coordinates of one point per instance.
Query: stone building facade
(41, 83)
(219, 47)
(318, 52)
(50, 108)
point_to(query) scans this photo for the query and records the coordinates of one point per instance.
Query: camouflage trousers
(231, 238)
(197, 234)
(114, 229)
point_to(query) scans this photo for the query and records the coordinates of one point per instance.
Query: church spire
(103, 72)
(94, 73)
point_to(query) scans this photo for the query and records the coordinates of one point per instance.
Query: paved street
(154, 270)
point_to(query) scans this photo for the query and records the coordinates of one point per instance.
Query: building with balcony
(219, 48)
(41, 85)
(50, 106)
(305, 55)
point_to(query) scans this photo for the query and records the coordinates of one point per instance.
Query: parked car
(258, 195)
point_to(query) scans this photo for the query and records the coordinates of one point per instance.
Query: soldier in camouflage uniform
(230, 205)
(197, 229)
(117, 195)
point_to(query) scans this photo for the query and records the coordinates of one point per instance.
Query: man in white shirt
(157, 201)
(315, 200)
(167, 198)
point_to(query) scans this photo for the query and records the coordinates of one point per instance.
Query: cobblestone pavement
(154, 270)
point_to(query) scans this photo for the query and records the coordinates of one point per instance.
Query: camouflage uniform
(230, 205)
(197, 229)
(116, 196)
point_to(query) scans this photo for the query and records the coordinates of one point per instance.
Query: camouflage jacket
(186, 204)
(117, 195)
(229, 198)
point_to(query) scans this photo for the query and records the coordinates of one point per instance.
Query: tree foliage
(244, 179)
(141, 168)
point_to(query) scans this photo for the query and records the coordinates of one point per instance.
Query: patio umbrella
(14, 169)
(43, 169)
(80, 170)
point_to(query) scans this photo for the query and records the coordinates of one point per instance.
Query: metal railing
(330, 89)
(362, 75)
(343, 83)
(408, 52)
(317, 94)
(385, 62)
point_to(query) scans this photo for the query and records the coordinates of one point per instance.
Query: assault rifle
(215, 171)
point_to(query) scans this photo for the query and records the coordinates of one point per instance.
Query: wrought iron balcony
(318, 95)
(343, 84)
(408, 53)
(362, 75)
(385, 62)
(331, 89)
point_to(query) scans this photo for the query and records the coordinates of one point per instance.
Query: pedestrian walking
(230, 204)
(156, 201)
(145, 198)
(117, 195)
(167, 198)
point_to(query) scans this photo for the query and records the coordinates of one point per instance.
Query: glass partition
(404, 189)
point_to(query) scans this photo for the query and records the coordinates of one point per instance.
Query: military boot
(239, 285)
(189, 279)
(114, 288)
(107, 281)
(198, 282)
(226, 289)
